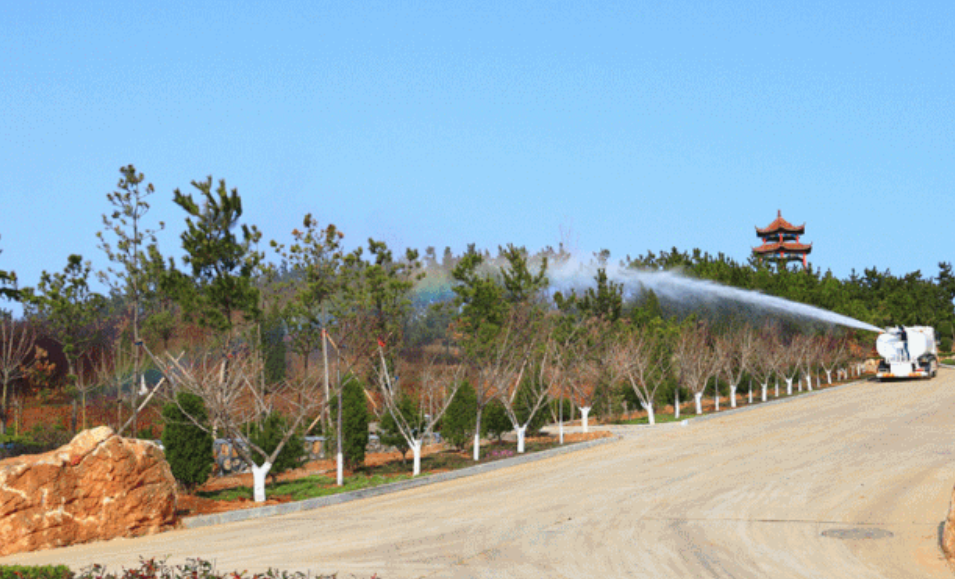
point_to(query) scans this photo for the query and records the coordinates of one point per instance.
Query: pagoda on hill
(781, 242)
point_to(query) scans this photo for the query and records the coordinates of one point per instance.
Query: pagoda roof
(780, 224)
(785, 246)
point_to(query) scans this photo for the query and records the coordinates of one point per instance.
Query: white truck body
(915, 357)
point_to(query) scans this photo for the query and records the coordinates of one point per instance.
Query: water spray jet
(672, 285)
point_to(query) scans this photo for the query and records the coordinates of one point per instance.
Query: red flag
(381, 343)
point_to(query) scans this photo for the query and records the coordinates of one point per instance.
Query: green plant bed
(372, 476)
(660, 419)
(306, 488)
(35, 572)
(949, 361)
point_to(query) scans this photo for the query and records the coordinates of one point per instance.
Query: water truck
(908, 352)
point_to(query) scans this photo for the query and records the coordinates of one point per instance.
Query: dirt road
(852, 482)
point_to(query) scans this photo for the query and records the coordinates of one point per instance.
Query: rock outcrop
(98, 486)
(948, 532)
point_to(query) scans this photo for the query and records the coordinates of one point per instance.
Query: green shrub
(268, 433)
(35, 572)
(354, 422)
(146, 433)
(494, 420)
(457, 424)
(188, 447)
(945, 344)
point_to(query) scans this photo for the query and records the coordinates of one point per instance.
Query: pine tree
(457, 425)
(354, 422)
(188, 447)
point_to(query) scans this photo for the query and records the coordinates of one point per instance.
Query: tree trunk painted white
(809, 382)
(829, 377)
(818, 382)
(477, 446)
(764, 387)
(584, 413)
(732, 396)
(750, 399)
(698, 399)
(676, 406)
(716, 401)
(416, 451)
(776, 387)
(258, 480)
(649, 408)
(339, 469)
(789, 386)
(799, 383)
(520, 439)
(560, 430)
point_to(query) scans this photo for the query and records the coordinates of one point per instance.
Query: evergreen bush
(945, 344)
(355, 421)
(457, 424)
(494, 421)
(188, 447)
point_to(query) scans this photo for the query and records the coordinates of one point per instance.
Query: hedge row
(148, 569)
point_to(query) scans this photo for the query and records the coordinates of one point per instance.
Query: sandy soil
(795, 489)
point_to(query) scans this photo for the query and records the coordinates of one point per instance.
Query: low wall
(229, 462)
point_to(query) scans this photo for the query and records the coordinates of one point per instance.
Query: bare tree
(589, 353)
(559, 371)
(812, 356)
(354, 356)
(448, 382)
(833, 355)
(16, 343)
(695, 360)
(510, 386)
(735, 351)
(230, 387)
(765, 357)
(791, 361)
(114, 371)
(641, 357)
(501, 364)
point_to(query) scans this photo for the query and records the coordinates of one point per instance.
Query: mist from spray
(576, 275)
(572, 274)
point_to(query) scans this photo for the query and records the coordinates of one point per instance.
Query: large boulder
(98, 486)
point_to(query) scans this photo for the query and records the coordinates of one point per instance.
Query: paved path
(747, 494)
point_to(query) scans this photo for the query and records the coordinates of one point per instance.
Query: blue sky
(628, 126)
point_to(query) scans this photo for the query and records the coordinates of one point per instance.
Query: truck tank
(921, 359)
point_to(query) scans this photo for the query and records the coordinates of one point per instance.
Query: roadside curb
(385, 489)
(773, 401)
